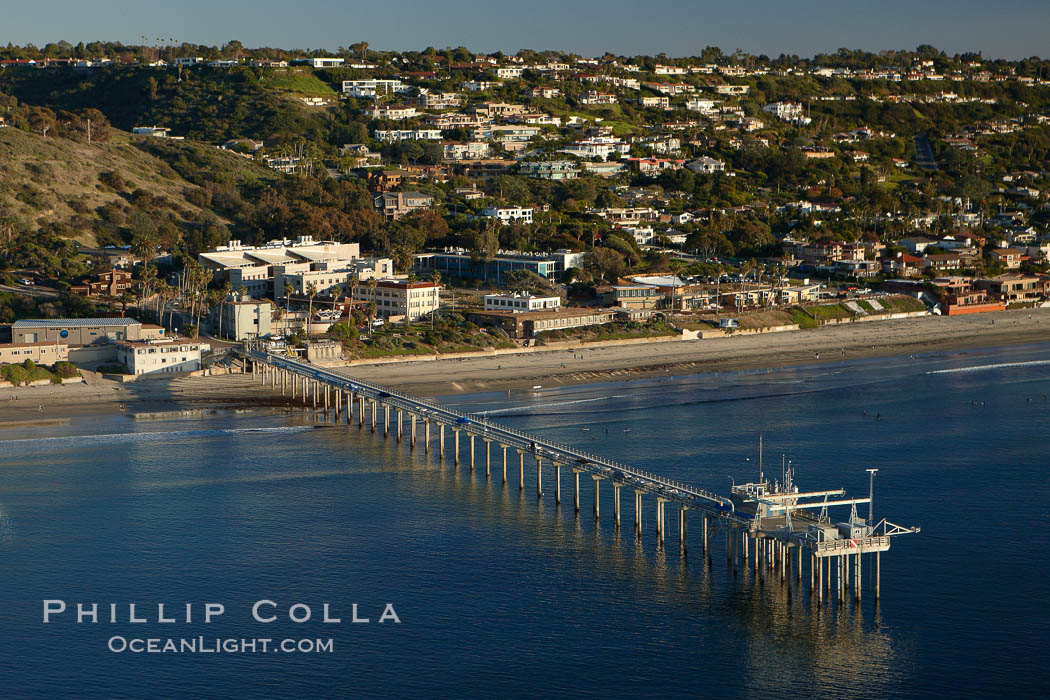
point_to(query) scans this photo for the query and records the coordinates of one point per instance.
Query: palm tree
(372, 307)
(214, 297)
(371, 316)
(148, 281)
(225, 291)
(353, 280)
(311, 292)
(435, 277)
(288, 291)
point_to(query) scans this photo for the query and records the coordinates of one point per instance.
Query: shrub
(65, 370)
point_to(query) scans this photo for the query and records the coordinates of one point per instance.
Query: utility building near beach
(169, 355)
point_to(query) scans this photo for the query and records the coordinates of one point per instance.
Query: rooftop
(74, 322)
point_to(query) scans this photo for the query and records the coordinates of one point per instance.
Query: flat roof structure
(74, 322)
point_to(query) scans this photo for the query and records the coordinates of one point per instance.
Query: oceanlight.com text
(219, 645)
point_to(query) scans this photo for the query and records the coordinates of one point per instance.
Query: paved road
(36, 292)
(924, 157)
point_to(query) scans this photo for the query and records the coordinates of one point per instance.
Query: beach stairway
(804, 310)
(855, 308)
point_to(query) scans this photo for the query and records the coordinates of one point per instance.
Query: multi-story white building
(505, 134)
(508, 72)
(328, 278)
(438, 100)
(401, 298)
(170, 355)
(242, 318)
(550, 169)
(598, 146)
(253, 267)
(320, 62)
(593, 97)
(480, 85)
(466, 150)
(661, 102)
(784, 110)
(520, 303)
(544, 92)
(392, 112)
(395, 135)
(509, 214)
(702, 105)
(372, 88)
(703, 164)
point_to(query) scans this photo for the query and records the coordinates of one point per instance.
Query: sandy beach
(548, 369)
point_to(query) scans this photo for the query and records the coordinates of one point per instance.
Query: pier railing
(603, 467)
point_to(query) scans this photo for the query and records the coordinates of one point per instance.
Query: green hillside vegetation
(206, 104)
(303, 82)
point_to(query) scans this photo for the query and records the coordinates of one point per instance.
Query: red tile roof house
(903, 265)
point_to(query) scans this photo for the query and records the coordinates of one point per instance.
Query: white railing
(605, 467)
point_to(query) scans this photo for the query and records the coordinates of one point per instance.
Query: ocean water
(500, 594)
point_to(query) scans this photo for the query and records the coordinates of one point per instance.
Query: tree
(353, 281)
(483, 248)
(528, 282)
(372, 308)
(289, 290)
(311, 292)
(435, 277)
(41, 119)
(605, 263)
(225, 292)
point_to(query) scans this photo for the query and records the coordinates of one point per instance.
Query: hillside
(90, 192)
(203, 104)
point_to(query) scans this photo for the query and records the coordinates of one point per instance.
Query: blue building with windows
(461, 264)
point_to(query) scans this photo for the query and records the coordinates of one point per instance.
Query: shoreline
(550, 369)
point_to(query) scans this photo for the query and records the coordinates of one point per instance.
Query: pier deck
(774, 519)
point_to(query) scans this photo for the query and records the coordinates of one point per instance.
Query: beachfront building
(76, 332)
(243, 318)
(633, 296)
(171, 355)
(40, 353)
(519, 303)
(530, 324)
(397, 299)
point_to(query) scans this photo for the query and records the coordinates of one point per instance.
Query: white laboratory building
(520, 303)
